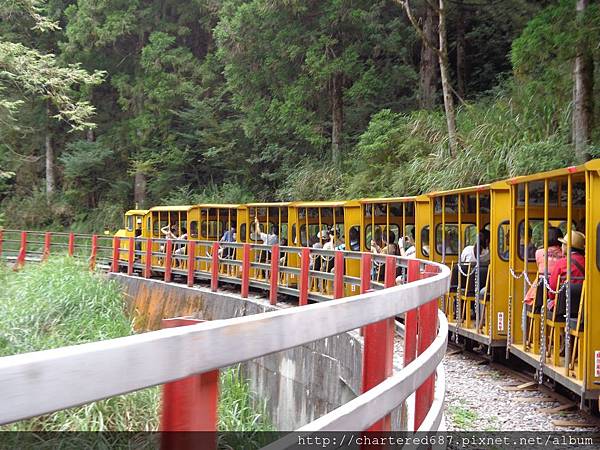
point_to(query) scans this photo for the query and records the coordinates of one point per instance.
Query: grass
(463, 417)
(61, 303)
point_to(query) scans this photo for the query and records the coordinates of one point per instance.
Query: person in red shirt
(559, 271)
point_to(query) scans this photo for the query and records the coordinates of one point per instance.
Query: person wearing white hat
(559, 272)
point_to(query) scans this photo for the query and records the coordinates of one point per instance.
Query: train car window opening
(504, 240)
(451, 239)
(470, 235)
(425, 240)
(130, 223)
(148, 224)
(194, 229)
(536, 235)
(471, 203)
(578, 197)
(536, 193)
(294, 241)
(243, 232)
(381, 231)
(214, 229)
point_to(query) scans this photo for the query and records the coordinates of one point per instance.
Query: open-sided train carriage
(553, 331)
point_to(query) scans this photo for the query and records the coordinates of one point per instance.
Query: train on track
(501, 240)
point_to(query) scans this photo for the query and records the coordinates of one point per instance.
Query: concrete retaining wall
(299, 385)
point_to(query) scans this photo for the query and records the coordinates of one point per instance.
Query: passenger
(332, 244)
(170, 233)
(531, 249)
(559, 272)
(270, 239)
(554, 254)
(228, 236)
(469, 254)
(354, 236)
(409, 241)
(138, 244)
(181, 248)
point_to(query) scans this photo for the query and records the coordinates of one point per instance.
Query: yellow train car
(133, 224)
(452, 225)
(309, 223)
(555, 275)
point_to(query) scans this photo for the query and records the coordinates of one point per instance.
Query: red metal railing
(422, 283)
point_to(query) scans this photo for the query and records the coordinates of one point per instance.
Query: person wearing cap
(559, 272)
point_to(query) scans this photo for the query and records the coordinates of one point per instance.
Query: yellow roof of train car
(325, 203)
(267, 204)
(479, 188)
(593, 165)
(219, 205)
(388, 199)
(172, 208)
(136, 212)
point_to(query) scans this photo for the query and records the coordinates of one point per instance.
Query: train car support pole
(214, 272)
(191, 264)
(274, 274)
(115, 255)
(245, 270)
(304, 279)
(189, 405)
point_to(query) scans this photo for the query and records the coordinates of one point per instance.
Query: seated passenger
(409, 241)
(354, 236)
(559, 272)
(531, 249)
(469, 254)
(554, 254)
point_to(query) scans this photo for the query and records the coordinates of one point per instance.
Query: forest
(110, 104)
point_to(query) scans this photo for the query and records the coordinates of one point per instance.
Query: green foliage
(61, 303)
(239, 409)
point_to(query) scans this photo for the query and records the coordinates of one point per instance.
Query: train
(497, 238)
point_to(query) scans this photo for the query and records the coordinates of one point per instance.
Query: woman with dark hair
(554, 254)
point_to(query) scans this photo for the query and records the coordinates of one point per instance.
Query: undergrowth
(60, 303)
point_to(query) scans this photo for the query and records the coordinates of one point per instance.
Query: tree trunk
(428, 66)
(460, 50)
(50, 176)
(446, 88)
(139, 190)
(337, 118)
(583, 75)
(50, 179)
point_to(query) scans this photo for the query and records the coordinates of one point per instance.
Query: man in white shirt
(469, 255)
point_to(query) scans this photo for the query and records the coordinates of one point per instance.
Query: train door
(589, 346)
(497, 317)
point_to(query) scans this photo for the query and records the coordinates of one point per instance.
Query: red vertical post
(130, 256)
(304, 279)
(47, 241)
(94, 252)
(338, 275)
(214, 273)
(410, 322)
(427, 331)
(115, 255)
(378, 344)
(274, 282)
(168, 259)
(191, 263)
(245, 270)
(71, 243)
(365, 276)
(22, 251)
(190, 404)
(148, 267)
